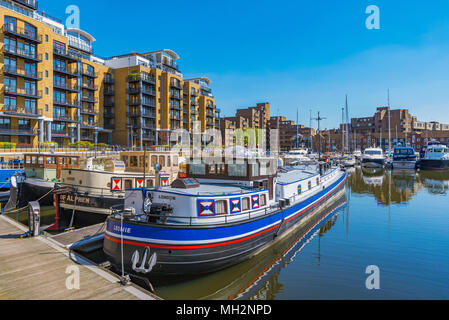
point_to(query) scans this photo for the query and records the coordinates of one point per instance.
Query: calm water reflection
(396, 220)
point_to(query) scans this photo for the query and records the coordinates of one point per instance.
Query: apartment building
(51, 81)
(56, 89)
(291, 135)
(150, 89)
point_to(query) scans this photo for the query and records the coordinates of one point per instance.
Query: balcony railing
(22, 53)
(22, 33)
(65, 117)
(141, 77)
(108, 103)
(109, 92)
(175, 96)
(90, 87)
(21, 131)
(176, 85)
(66, 86)
(109, 80)
(90, 99)
(33, 4)
(90, 73)
(60, 133)
(149, 103)
(89, 111)
(24, 92)
(69, 71)
(150, 92)
(89, 124)
(22, 111)
(66, 54)
(21, 72)
(67, 103)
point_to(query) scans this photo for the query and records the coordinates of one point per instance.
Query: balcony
(176, 86)
(66, 86)
(61, 133)
(142, 77)
(72, 72)
(21, 53)
(175, 96)
(65, 118)
(22, 112)
(90, 87)
(18, 131)
(149, 103)
(109, 80)
(149, 114)
(109, 115)
(90, 99)
(148, 126)
(133, 102)
(108, 103)
(23, 92)
(20, 72)
(22, 33)
(149, 92)
(87, 137)
(109, 92)
(67, 103)
(89, 111)
(89, 124)
(135, 90)
(32, 4)
(90, 74)
(66, 55)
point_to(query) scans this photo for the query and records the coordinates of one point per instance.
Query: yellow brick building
(54, 89)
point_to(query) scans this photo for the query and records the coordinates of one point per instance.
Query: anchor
(135, 259)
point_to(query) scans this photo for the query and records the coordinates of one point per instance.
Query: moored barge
(218, 216)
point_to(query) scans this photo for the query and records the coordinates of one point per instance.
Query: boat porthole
(169, 252)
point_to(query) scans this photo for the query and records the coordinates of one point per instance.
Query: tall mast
(348, 142)
(389, 121)
(297, 122)
(343, 139)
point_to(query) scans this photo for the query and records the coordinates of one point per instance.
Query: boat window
(51, 160)
(263, 168)
(162, 161)
(263, 200)
(133, 161)
(255, 169)
(221, 168)
(150, 183)
(212, 169)
(153, 161)
(299, 189)
(128, 184)
(310, 185)
(28, 160)
(237, 170)
(197, 169)
(175, 161)
(33, 160)
(40, 160)
(245, 204)
(221, 207)
(61, 160)
(317, 181)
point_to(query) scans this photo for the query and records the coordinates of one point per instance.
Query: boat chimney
(158, 168)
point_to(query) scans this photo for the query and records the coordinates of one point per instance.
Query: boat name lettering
(167, 197)
(124, 230)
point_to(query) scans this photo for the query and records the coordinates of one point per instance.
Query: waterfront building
(55, 88)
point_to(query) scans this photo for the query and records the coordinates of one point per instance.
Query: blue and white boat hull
(193, 250)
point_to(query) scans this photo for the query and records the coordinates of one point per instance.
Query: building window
(263, 200)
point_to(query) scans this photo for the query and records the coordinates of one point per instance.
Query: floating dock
(40, 269)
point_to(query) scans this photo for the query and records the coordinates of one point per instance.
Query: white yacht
(373, 158)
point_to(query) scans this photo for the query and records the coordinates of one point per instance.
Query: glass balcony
(25, 34)
(20, 72)
(21, 53)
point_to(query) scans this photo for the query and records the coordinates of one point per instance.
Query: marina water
(397, 221)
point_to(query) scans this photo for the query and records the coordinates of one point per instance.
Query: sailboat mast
(389, 121)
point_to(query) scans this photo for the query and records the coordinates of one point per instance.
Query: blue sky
(293, 54)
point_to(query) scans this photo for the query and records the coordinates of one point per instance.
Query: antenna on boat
(319, 133)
